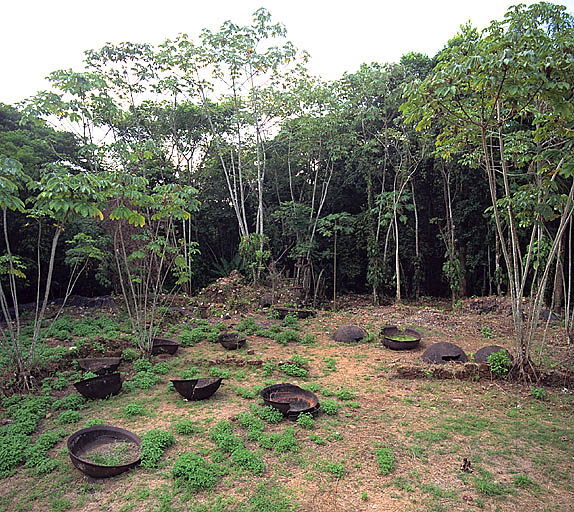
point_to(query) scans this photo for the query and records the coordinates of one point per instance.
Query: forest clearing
(383, 441)
(229, 285)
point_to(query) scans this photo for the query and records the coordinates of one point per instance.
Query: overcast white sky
(40, 36)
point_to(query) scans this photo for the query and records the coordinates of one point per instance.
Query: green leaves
(12, 179)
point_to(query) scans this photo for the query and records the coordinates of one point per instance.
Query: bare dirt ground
(519, 449)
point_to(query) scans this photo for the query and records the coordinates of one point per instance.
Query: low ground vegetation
(421, 445)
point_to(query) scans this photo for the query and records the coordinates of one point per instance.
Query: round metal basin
(397, 339)
(197, 389)
(444, 352)
(164, 346)
(87, 440)
(99, 365)
(482, 354)
(291, 400)
(100, 387)
(231, 340)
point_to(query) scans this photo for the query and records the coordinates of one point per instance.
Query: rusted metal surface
(197, 389)
(290, 399)
(100, 387)
(164, 346)
(99, 365)
(444, 352)
(80, 444)
(349, 334)
(482, 354)
(391, 333)
(231, 340)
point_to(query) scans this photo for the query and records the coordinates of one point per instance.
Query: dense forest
(168, 166)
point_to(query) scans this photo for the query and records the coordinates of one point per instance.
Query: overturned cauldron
(197, 389)
(297, 312)
(349, 334)
(444, 352)
(482, 354)
(397, 339)
(291, 400)
(101, 386)
(231, 340)
(99, 365)
(164, 346)
(87, 440)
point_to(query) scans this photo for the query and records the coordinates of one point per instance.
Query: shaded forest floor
(394, 443)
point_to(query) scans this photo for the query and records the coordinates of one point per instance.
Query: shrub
(539, 393)
(247, 325)
(485, 332)
(330, 364)
(220, 373)
(212, 337)
(345, 394)
(299, 359)
(286, 336)
(268, 369)
(191, 372)
(293, 370)
(317, 439)
(252, 423)
(222, 435)
(290, 321)
(499, 363)
(269, 497)
(247, 393)
(130, 354)
(335, 468)
(131, 410)
(12, 448)
(71, 403)
(194, 473)
(154, 443)
(385, 460)
(161, 368)
(286, 441)
(308, 339)
(25, 411)
(68, 417)
(60, 383)
(330, 407)
(142, 380)
(142, 365)
(267, 413)
(186, 427)
(246, 459)
(188, 338)
(305, 420)
(35, 454)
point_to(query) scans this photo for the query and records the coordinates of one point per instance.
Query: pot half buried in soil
(482, 354)
(231, 340)
(197, 389)
(99, 365)
(100, 387)
(349, 334)
(104, 451)
(397, 339)
(164, 346)
(444, 352)
(291, 400)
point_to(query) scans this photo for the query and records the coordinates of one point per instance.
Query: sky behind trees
(39, 37)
